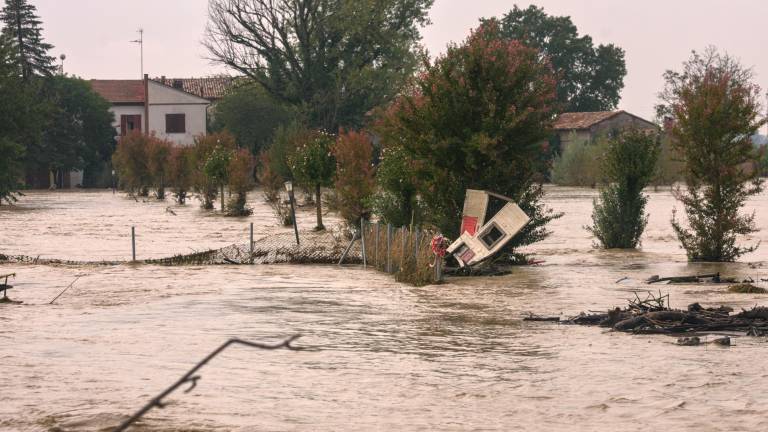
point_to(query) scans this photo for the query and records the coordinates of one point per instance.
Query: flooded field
(387, 356)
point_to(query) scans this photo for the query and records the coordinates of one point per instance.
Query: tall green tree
(78, 131)
(22, 27)
(629, 165)
(476, 119)
(590, 78)
(335, 60)
(21, 116)
(715, 106)
(237, 110)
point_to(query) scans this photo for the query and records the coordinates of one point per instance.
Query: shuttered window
(175, 123)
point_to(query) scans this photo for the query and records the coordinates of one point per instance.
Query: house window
(129, 123)
(492, 236)
(175, 123)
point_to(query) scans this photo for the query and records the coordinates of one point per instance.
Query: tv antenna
(140, 41)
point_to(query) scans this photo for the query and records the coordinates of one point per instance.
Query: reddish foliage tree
(240, 182)
(354, 174)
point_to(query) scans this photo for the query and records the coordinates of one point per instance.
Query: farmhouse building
(151, 106)
(588, 126)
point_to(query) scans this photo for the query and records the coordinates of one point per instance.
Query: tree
(629, 165)
(180, 172)
(20, 116)
(78, 131)
(216, 167)
(333, 59)
(715, 107)
(240, 182)
(476, 119)
(313, 165)
(158, 156)
(236, 112)
(22, 27)
(589, 78)
(201, 153)
(131, 162)
(354, 180)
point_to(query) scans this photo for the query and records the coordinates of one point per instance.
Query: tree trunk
(222, 197)
(319, 206)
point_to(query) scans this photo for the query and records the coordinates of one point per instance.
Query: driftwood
(652, 315)
(715, 278)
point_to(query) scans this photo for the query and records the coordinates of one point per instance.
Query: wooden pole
(404, 240)
(251, 243)
(133, 243)
(376, 247)
(389, 248)
(362, 241)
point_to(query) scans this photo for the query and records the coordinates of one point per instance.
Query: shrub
(354, 181)
(578, 164)
(204, 146)
(628, 166)
(396, 201)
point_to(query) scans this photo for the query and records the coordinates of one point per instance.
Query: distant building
(588, 126)
(148, 105)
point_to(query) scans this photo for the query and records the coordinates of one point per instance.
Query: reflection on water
(391, 357)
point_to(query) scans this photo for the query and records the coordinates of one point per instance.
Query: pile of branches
(652, 315)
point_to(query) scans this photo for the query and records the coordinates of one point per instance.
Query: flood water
(386, 356)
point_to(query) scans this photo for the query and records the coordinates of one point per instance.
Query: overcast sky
(656, 35)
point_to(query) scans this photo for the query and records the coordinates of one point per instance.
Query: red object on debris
(439, 245)
(468, 225)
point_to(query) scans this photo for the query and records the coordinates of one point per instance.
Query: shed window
(175, 123)
(492, 236)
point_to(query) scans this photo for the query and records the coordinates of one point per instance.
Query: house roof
(582, 120)
(120, 91)
(211, 88)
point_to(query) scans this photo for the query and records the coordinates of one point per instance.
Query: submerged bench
(4, 286)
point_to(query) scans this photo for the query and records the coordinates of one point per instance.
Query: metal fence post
(133, 243)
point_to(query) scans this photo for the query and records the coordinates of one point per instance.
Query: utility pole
(140, 41)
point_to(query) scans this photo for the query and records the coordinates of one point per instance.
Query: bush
(204, 147)
(628, 166)
(354, 175)
(395, 200)
(579, 164)
(158, 155)
(11, 170)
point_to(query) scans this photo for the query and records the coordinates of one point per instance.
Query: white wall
(167, 100)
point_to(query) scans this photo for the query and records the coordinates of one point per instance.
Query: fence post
(389, 248)
(376, 247)
(404, 233)
(438, 268)
(362, 241)
(416, 244)
(133, 243)
(251, 244)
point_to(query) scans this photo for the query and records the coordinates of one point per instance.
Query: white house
(148, 105)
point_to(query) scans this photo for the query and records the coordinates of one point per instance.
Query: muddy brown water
(389, 357)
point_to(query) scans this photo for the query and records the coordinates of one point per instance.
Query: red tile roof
(582, 120)
(120, 91)
(208, 88)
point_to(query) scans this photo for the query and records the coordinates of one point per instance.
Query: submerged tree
(313, 165)
(181, 172)
(589, 78)
(334, 60)
(131, 162)
(629, 166)
(158, 156)
(240, 182)
(477, 119)
(715, 106)
(354, 179)
(21, 26)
